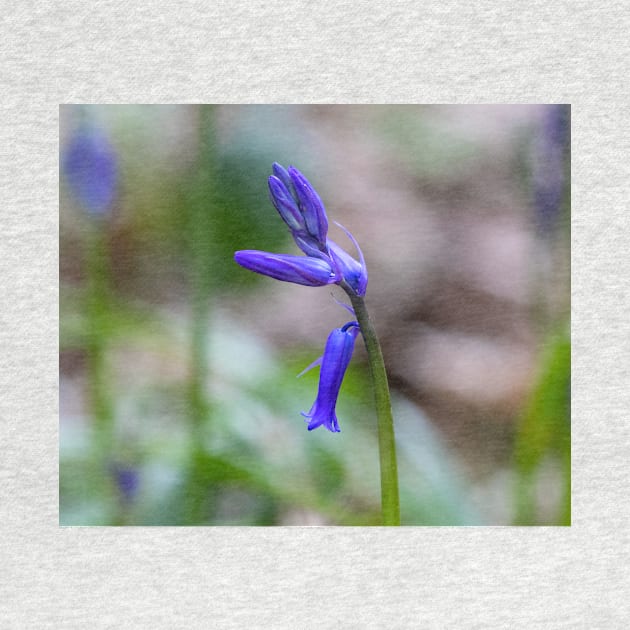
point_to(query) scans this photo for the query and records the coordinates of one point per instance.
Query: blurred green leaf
(544, 429)
(432, 150)
(258, 461)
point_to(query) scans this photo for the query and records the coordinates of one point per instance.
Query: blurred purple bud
(549, 165)
(310, 272)
(127, 480)
(90, 165)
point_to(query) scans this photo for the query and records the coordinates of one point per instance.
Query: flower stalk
(325, 263)
(200, 199)
(390, 501)
(98, 339)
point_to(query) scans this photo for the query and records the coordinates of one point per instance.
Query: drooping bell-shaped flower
(310, 272)
(90, 165)
(334, 362)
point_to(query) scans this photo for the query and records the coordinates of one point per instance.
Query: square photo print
(314, 315)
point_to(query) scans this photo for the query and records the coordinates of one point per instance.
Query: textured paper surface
(115, 52)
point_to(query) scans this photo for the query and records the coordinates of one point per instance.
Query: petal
(346, 306)
(309, 245)
(315, 363)
(281, 173)
(311, 206)
(285, 204)
(346, 266)
(363, 278)
(311, 272)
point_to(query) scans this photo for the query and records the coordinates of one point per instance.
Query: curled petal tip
(356, 271)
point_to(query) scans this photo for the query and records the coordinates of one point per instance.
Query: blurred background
(179, 402)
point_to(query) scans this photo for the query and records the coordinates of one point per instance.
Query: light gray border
(363, 51)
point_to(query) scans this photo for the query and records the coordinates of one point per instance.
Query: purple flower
(127, 480)
(354, 272)
(90, 166)
(549, 176)
(325, 263)
(311, 206)
(303, 211)
(286, 204)
(310, 272)
(334, 362)
(298, 204)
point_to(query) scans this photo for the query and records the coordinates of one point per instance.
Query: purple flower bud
(127, 480)
(337, 355)
(281, 173)
(549, 177)
(285, 204)
(351, 270)
(309, 245)
(310, 272)
(354, 272)
(311, 206)
(90, 166)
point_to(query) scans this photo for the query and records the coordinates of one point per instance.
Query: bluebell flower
(302, 210)
(325, 263)
(334, 362)
(90, 165)
(310, 272)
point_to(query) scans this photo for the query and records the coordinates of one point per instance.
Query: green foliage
(431, 149)
(255, 462)
(545, 429)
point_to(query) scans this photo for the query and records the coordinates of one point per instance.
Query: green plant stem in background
(199, 242)
(544, 430)
(390, 502)
(97, 341)
(98, 311)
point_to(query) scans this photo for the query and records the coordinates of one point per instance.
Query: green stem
(98, 309)
(97, 312)
(199, 234)
(390, 502)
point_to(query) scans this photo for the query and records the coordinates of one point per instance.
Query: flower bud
(285, 204)
(90, 166)
(311, 206)
(310, 272)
